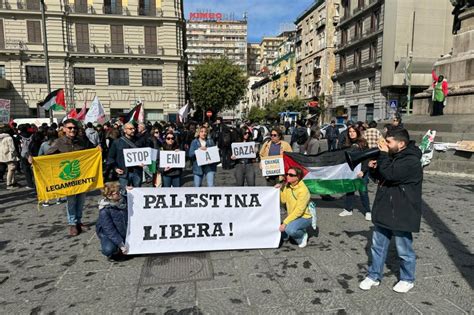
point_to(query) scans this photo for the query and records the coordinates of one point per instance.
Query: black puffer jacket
(397, 204)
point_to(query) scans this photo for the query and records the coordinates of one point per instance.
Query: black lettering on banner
(208, 157)
(147, 235)
(251, 149)
(215, 198)
(190, 200)
(173, 201)
(163, 232)
(254, 202)
(169, 158)
(240, 202)
(149, 199)
(128, 157)
(236, 151)
(175, 158)
(204, 201)
(203, 229)
(176, 231)
(227, 198)
(188, 232)
(218, 230)
(145, 155)
(160, 201)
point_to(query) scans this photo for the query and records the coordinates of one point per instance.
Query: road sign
(393, 103)
(209, 113)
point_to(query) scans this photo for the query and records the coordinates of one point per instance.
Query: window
(80, 6)
(354, 113)
(344, 36)
(35, 74)
(371, 83)
(369, 114)
(150, 40)
(82, 37)
(32, 5)
(375, 21)
(2, 72)
(356, 86)
(116, 38)
(112, 6)
(2, 36)
(358, 29)
(342, 89)
(118, 77)
(84, 76)
(147, 7)
(152, 77)
(34, 32)
(360, 3)
(373, 51)
(357, 57)
(342, 63)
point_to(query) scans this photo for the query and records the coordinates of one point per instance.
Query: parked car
(341, 128)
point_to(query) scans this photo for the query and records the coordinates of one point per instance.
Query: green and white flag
(326, 173)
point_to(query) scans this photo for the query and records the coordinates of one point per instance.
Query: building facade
(269, 51)
(283, 85)
(253, 59)
(315, 45)
(117, 50)
(208, 36)
(375, 41)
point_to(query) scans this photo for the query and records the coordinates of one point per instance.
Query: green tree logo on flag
(70, 170)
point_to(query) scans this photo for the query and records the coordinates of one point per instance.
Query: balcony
(109, 9)
(320, 23)
(30, 5)
(5, 5)
(149, 12)
(317, 73)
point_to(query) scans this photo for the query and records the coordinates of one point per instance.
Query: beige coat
(7, 149)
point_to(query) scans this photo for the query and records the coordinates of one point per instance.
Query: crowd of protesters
(19, 144)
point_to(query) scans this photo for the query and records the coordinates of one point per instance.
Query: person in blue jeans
(111, 226)
(171, 177)
(208, 171)
(397, 207)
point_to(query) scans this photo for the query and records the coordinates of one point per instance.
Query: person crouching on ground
(296, 197)
(397, 207)
(111, 226)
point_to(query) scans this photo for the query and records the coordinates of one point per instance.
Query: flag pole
(46, 56)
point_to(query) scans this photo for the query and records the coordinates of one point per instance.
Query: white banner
(244, 150)
(211, 155)
(137, 156)
(164, 220)
(272, 165)
(172, 159)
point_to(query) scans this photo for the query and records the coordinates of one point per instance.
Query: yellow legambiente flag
(67, 174)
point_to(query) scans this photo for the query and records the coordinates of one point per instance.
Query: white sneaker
(345, 213)
(368, 283)
(368, 216)
(304, 241)
(403, 286)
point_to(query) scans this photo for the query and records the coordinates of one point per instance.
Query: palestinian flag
(134, 115)
(54, 101)
(326, 173)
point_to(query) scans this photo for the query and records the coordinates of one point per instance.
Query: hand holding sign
(209, 156)
(244, 150)
(272, 166)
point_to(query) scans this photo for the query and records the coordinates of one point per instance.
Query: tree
(217, 84)
(274, 108)
(256, 114)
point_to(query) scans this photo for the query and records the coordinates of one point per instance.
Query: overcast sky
(265, 17)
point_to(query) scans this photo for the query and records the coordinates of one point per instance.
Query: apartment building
(210, 36)
(269, 51)
(253, 59)
(283, 85)
(375, 41)
(117, 50)
(315, 45)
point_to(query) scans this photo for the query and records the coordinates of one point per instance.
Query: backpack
(24, 146)
(226, 137)
(301, 135)
(257, 135)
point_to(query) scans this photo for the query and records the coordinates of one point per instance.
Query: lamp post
(46, 56)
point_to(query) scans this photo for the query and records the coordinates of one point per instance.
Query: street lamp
(46, 56)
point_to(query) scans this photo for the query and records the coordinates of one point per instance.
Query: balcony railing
(320, 23)
(32, 5)
(150, 12)
(4, 4)
(109, 9)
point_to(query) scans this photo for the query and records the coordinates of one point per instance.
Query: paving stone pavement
(44, 271)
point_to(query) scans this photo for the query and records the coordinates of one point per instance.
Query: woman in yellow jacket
(276, 146)
(295, 195)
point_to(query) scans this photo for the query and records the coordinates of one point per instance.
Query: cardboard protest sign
(163, 220)
(272, 165)
(172, 159)
(67, 174)
(137, 156)
(244, 150)
(211, 155)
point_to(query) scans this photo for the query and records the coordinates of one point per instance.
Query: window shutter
(34, 32)
(116, 36)
(2, 36)
(150, 40)
(82, 37)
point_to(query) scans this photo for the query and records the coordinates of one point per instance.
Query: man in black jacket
(397, 207)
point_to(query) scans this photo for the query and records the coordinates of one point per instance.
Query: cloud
(264, 16)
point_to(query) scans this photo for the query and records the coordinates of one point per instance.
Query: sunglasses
(71, 128)
(274, 135)
(169, 138)
(291, 175)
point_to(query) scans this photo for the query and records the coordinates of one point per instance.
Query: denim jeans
(74, 206)
(364, 197)
(404, 243)
(131, 179)
(108, 248)
(332, 144)
(171, 181)
(209, 179)
(296, 228)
